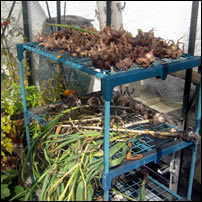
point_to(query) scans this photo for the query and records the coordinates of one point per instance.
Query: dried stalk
(113, 107)
(57, 132)
(139, 132)
(129, 156)
(136, 123)
(75, 126)
(72, 27)
(86, 120)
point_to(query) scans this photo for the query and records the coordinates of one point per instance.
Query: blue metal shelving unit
(151, 150)
(130, 185)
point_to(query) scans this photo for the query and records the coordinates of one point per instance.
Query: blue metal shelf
(130, 185)
(152, 149)
(109, 80)
(39, 113)
(161, 67)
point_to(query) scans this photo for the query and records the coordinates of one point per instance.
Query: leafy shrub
(9, 187)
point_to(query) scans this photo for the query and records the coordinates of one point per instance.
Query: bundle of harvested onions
(111, 48)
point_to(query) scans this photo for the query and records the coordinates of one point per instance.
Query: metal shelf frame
(109, 80)
(150, 156)
(155, 191)
(130, 183)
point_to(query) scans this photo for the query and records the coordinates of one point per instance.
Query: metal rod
(188, 76)
(25, 20)
(194, 96)
(26, 117)
(106, 135)
(187, 87)
(106, 144)
(191, 175)
(49, 14)
(191, 47)
(198, 117)
(27, 37)
(193, 160)
(58, 14)
(22, 87)
(106, 194)
(193, 27)
(109, 13)
(9, 15)
(64, 13)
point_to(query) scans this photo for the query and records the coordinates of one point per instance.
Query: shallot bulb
(112, 48)
(158, 118)
(40, 38)
(150, 56)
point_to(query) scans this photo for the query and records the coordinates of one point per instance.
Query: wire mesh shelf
(143, 143)
(130, 185)
(146, 142)
(85, 64)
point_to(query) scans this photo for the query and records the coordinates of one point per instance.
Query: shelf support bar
(26, 114)
(106, 147)
(195, 147)
(191, 47)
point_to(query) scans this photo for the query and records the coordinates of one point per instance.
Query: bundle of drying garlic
(111, 48)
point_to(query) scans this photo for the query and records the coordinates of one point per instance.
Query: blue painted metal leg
(106, 146)
(26, 115)
(191, 176)
(198, 116)
(106, 194)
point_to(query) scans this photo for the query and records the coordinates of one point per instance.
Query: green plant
(33, 96)
(9, 186)
(8, 108)
(10, 91)
(69, 166)
(12, 108)
(50, 90)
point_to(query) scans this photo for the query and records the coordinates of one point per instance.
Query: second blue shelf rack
(130, 185)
